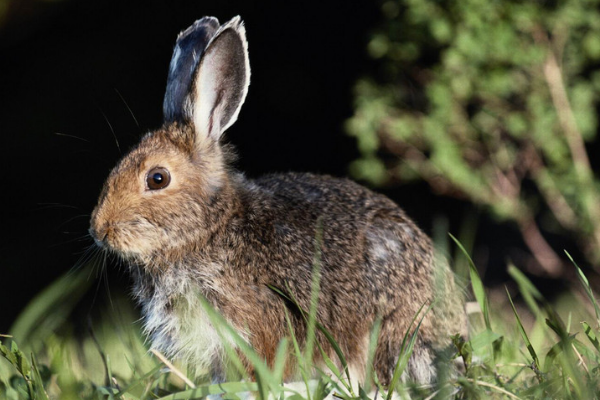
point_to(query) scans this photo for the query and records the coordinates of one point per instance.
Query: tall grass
(529, 348)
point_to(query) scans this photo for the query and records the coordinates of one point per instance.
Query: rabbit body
(212, 234)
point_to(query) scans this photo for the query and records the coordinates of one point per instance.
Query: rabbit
(191, 227)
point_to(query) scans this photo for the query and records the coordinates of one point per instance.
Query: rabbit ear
(187, 53)
(221, 81)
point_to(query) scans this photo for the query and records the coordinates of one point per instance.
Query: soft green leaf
(591, 335)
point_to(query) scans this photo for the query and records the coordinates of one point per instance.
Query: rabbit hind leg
(421, 364)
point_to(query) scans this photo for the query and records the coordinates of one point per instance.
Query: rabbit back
(374, 263)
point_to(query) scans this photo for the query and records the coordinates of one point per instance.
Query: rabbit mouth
(121, 241)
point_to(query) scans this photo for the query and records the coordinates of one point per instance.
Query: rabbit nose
(99, 234)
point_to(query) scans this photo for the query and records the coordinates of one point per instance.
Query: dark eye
(158, 178)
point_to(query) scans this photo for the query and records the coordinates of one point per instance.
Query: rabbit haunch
(211, 233)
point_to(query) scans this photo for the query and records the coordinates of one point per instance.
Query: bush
(491, 102)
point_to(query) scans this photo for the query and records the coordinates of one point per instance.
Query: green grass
(527, 349)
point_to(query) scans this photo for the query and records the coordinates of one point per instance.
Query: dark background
(78, 76)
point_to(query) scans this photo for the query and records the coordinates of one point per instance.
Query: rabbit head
(156, 200)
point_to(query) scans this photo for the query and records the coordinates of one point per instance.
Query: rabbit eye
(158, 178)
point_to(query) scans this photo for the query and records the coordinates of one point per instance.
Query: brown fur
(232, 238)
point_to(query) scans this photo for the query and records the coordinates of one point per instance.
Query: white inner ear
(221, 82)
(206, 109)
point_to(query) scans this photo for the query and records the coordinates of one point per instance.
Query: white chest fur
(179, 326)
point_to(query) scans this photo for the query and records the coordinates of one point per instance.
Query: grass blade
(406, 350)
(588, 290)
(534, 356)
(320, 327)
(477, 284)
(591, 335)
(49, 309)
(527, 289)
(371, 353)
(265, 379)
(37, 379)
(218, 388)
(298, 352)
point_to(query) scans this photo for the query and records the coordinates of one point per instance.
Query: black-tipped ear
(188, 51)
(221, 81)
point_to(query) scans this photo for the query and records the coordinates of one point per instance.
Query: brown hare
(190, 227)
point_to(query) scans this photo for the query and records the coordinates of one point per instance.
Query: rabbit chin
(132, 248)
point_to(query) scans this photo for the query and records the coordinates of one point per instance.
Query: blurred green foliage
(59, 357)
(491, 102)
(529, 352)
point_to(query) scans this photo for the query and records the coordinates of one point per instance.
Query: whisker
(88, 248)
(76, 239)
(71, 136)
(104, 273)
(83, 260)
(72, 219)
(45, 206)
(126, 105)
(99, 266)
(111, 129)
